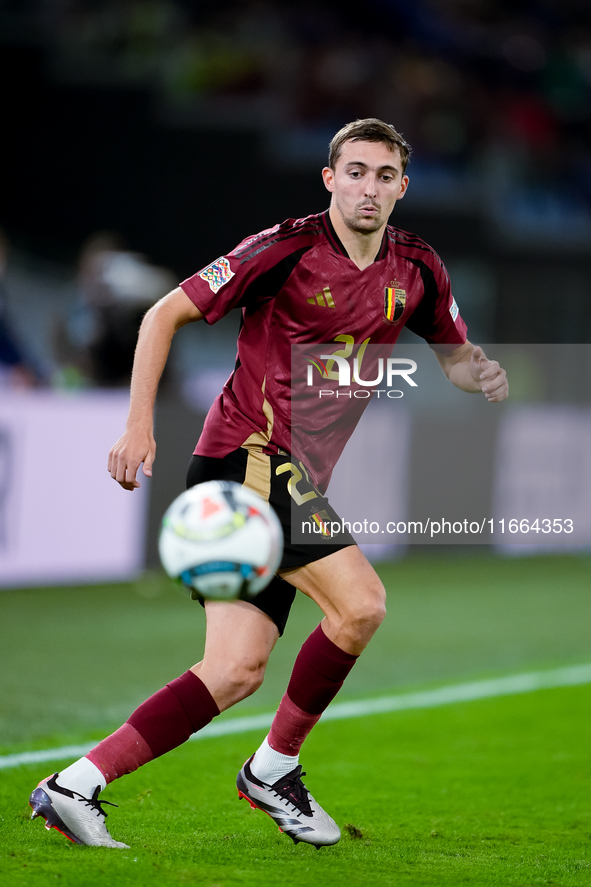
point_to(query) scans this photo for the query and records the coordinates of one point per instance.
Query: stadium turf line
(505, 686)
(490, 792)
(75, 662)
(493, 792)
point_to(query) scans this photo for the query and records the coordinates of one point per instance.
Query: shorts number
(292, 483)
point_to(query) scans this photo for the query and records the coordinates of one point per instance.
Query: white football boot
(80, 819)
(291, 805)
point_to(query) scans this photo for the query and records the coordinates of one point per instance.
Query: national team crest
(394, 302)
(217, 274)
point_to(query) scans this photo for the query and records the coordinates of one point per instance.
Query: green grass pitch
(493, 792)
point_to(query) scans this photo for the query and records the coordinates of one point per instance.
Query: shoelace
(292, 789)
(94, 802)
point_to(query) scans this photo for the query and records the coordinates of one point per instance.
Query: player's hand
(126, 456)
(491, 378)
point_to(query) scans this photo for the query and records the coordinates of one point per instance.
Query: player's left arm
(469, 369)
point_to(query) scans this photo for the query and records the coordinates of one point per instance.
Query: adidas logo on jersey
(324, 299)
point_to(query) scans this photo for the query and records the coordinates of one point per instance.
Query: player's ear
(403, 187)
(328, 178)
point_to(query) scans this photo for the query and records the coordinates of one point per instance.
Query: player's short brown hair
(368, 130)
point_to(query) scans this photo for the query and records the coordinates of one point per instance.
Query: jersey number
(346, 352)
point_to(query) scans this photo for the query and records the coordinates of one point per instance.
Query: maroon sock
(161, 723)
(318, 674)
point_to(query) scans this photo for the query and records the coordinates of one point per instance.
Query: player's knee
(373, 602)
(366, 612)
(244, 678)
(366, 622)
(377, 611)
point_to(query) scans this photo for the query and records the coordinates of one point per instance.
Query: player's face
(365, 184)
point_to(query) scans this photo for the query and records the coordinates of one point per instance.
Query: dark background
(87, 146)
(184, 127)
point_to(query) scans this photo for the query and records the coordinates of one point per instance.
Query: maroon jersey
(296, 285)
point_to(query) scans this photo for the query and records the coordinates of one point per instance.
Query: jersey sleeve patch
(453, 309)
(217, 274)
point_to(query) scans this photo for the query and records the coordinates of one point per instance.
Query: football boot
(291, 805)
(80, 819)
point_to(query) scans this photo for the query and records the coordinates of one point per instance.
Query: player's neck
(361, 248)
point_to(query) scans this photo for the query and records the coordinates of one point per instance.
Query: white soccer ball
(221, 540)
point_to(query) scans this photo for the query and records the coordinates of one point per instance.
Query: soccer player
(344, 276)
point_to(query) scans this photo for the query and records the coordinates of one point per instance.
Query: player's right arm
(137, 443)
